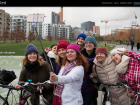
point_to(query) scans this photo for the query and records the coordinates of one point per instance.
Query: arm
(76, 74)
(134, 55)
(93, 74)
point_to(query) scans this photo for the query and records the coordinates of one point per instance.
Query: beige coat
(107, 74)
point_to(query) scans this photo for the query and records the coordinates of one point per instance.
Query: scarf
(122, 67)
(67, 68)
(32, 67)
(52, 55)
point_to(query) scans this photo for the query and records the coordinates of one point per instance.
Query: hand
(47, 49)
(92, 75)
(53, 77)
(125, 52)
(95, 86)
(39, 89)
(131, 95)
(17, 86)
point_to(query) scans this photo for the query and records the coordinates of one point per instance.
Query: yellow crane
(106, 21)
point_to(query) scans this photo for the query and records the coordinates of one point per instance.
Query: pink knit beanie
(74, 46)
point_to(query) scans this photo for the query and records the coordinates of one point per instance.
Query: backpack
(7, 77)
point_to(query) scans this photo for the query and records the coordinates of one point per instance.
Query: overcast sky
(74, 16)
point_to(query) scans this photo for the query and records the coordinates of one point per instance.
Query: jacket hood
(52, 55)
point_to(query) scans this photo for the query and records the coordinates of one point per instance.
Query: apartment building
(5, 22)
(96, 29)
(57, 30)
(29, 27)
(19, 21)
(87, 25)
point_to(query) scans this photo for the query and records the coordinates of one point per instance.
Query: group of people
(74, 66)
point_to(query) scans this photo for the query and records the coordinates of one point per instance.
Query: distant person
(138, 46)
(127, 43)
(105, 44)
(132, 45)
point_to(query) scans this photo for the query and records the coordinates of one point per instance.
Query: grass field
(19, 48)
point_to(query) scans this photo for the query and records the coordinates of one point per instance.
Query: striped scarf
(68, 67)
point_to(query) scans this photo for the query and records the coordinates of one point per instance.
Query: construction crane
(106, 21)
(135, 19)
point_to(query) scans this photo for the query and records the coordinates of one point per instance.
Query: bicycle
(29, 84)
(107, 102)
(5, 84)
(124, 83)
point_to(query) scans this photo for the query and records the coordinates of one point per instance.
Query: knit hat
(101, 49)
(92, 39)
(74, 46)
(62, 44)
(31, 48)
(83, 35)
(115, 50)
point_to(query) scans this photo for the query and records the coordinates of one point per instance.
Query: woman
(70, 78)
(61, 51)
(80, 40)
(104, 68)
(89, 93)
(37, 69)
(138, 46)
(128, 66)
(51, 56)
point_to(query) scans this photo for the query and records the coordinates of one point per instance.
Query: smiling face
(100, 57)
(116, 58)
(32, 57)
(80, 41)
(89, 45)
(71, 55)
(54, 49)
(62, 52)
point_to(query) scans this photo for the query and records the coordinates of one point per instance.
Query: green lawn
(19, 48)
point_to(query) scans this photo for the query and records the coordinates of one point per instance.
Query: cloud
(74, 16)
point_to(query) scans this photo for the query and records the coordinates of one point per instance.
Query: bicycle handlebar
(30, 83)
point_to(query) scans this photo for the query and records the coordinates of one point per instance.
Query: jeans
(88, 99)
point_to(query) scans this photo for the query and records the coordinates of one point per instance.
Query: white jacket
(71, 94)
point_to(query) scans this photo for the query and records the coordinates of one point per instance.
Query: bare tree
(30, 36)
(61, 38)
(5, 35)
(49, 38)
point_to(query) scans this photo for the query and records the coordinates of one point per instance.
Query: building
(96, 29)
(87, 25)
(19, 21)
(57, 18)
(77, 31)
(5, 22)
(29, 27)
(57, 30)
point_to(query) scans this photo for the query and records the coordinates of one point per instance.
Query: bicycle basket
(7, 77)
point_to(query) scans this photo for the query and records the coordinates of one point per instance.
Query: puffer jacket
(107, 74)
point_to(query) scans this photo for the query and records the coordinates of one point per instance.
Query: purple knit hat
(74, 46)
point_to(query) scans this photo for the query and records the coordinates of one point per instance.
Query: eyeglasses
(88, 43)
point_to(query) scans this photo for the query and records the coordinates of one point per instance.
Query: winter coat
(132, 74)
(138, 45)
(71, 94)
(107, 74)
(50, 58)
(87, 83)
(57, 69)
(40, 75)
